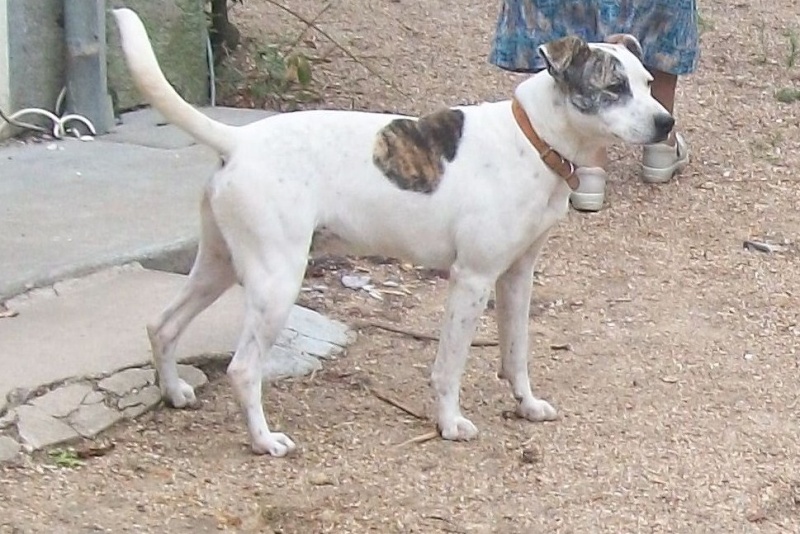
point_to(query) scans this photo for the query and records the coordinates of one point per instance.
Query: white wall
(5, 89)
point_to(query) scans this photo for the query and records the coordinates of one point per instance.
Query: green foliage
(65, 458)
(787, 95)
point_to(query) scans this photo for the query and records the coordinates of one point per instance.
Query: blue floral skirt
(667, 30)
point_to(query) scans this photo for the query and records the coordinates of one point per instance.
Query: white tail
(149, 79)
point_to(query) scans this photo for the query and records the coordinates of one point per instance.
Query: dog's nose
(664, 124)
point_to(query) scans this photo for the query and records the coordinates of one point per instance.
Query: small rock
(9, 449)
(128, 380)
(192, 375)
(92, 419)
(62, 401)
(761, 246)
(351, 281)
(39, 430)
(531, 456)
(318, 478)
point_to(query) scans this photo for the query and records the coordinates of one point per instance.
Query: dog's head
(607, 89)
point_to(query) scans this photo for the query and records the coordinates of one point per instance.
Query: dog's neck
(543, 104)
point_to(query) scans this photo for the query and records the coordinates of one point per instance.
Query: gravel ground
(668, 348)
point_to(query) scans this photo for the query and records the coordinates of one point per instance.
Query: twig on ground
(419, 439)
(450, 527)
(396, 403)
(321, 12)
(421, 335)
(346, 52)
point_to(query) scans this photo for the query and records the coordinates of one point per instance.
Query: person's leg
(663, 88)
(660, 162)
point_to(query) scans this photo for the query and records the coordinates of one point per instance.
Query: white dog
(472, 189)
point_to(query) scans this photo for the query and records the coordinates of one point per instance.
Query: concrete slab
(64, 400)
(92, 419)
(39, 430)
(97, 326)
(86, 205)
(72, 207)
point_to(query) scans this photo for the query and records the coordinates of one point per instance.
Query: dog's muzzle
(663, 124)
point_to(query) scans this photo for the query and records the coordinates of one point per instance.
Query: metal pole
(87, 84)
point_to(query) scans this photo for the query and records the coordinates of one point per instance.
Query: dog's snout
(664, 124)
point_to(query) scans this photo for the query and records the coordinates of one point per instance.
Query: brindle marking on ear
(628, 41)
(412, 153)
(597, 82)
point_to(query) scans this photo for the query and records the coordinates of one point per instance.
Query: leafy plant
(787, 95)
(66, 458)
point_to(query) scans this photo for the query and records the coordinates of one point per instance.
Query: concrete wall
(34, 42)
(178, 31)
(36, 53)
(5, 90)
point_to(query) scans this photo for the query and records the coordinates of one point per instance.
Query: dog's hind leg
(271, 280)
(211, 274)
(467, 296)
(513, 290)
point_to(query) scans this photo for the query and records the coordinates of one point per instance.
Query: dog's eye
(617, 87)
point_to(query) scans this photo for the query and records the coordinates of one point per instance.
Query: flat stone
(94, 397)
(192, 375)
(148, 397)
(317, 326)
(284, 363)
(128, 380)
(9, 449)
(92, 419)
(39, 430)
(316, 347)
(64, 400)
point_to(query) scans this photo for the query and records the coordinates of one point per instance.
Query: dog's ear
(628, 41)
(561, 54)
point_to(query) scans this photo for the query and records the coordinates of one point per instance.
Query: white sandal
(592, 189)
(661, 162)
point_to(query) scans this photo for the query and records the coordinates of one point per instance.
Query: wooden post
(87, 84)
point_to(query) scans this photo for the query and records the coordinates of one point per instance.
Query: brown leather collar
(557, 163)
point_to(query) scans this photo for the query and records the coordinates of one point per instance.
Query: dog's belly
(327, 241)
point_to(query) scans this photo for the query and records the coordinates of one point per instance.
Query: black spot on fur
(412, 153)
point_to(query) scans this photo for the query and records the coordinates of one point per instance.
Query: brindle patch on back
(412, 153)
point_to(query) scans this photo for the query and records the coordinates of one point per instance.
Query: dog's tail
(159, 93)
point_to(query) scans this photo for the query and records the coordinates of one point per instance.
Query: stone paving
(83, 407)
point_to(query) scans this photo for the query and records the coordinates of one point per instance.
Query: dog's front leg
(468, 293)
(513, 310)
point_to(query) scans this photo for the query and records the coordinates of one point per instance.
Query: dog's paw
(458, 429)
(537, 410)
(179, 395)
(275, 444)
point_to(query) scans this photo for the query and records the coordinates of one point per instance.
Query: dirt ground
(667, 347)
